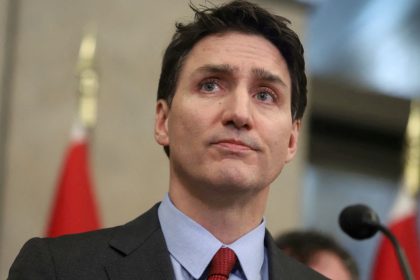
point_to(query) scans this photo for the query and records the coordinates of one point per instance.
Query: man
(320, 252)
(231, 97)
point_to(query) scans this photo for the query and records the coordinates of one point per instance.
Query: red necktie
(222, 264)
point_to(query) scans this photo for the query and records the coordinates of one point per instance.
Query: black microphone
(361, 222)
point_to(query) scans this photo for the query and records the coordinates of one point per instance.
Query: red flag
(404, 226)
(74, 209)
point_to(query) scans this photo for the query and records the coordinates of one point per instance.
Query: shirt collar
(187, 239)
(250, 251)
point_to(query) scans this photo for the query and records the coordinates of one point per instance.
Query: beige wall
(130, 170)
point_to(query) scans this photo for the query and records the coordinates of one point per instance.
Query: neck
(227, 216)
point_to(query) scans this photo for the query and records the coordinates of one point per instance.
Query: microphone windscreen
(359, 221)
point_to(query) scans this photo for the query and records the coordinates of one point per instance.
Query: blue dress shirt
(192, 247)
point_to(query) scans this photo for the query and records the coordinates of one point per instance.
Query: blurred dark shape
(320, 252)
(359, 221)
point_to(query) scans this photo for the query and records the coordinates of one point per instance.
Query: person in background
(231, 97)
(320, 252)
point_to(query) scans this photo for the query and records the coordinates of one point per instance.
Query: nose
(238, 110)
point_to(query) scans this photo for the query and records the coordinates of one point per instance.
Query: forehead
(243, 52)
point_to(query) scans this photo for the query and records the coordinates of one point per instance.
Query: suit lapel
(143, 250)
(275, 269)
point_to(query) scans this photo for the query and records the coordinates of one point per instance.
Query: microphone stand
(402, 259)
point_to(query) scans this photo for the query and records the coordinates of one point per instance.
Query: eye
(209, 86)
(266, 96)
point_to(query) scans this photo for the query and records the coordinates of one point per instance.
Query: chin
(237, 181)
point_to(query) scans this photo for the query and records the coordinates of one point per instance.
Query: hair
(235, 16)
(304, 245)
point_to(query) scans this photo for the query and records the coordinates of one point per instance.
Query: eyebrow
(217, 69)
(267, 76)
(227, 69)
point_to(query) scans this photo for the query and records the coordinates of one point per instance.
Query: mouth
(234, 145)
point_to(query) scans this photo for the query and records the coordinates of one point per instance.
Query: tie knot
(222, 264)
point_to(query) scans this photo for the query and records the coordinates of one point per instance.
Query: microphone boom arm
(360, 222)
(402, 259)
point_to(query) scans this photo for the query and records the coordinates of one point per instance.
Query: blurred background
(363, 61)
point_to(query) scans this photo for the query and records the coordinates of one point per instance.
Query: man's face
(229, 127)
(330, 265)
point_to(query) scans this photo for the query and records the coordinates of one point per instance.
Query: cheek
(185, 125)
(277, 138)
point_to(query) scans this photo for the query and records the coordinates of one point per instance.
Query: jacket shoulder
(84, 255)
(46, 258)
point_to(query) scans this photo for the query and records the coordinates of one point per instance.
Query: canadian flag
(404, 225)
(74, 208)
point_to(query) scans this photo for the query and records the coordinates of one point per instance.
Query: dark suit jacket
(136, 250)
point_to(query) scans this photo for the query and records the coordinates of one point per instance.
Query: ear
(161, 122)
(293, 141)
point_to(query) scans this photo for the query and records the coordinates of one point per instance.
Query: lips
(234, 145)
